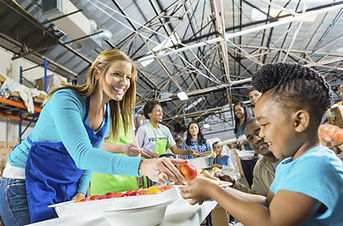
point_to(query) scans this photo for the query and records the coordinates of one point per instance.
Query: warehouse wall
(10, 68)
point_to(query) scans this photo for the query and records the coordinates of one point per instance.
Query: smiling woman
(55, 162)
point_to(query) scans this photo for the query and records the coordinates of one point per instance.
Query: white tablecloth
(179, 213)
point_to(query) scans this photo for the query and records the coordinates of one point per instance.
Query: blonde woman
(55, 162)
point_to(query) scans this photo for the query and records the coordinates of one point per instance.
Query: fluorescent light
(146, 62)
(207, 126)
(182, 96)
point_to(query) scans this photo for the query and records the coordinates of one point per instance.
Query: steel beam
(247, 31)
(219, 26)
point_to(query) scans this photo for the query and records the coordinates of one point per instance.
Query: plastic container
(246, 154)
(202, 162)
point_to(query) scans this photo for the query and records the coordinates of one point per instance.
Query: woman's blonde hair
(126, 106)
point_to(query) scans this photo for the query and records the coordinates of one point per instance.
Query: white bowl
(145, 216)
(71, 208)
(246, 154)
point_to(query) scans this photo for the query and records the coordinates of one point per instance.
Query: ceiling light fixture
(182, 96)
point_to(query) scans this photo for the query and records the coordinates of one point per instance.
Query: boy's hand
(197, 190)
(224, 177)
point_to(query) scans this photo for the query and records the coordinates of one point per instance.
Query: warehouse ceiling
(208, 49)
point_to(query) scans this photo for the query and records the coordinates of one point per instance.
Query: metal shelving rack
(14, 108)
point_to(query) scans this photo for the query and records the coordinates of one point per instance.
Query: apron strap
(153, 129)
(159, 142)
(29, 140)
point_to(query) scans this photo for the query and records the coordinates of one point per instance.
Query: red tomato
(188, 171)
(95, 197)
(118, 194)
(132, 193)
(167, 187)
(143, 192)
(105, 197)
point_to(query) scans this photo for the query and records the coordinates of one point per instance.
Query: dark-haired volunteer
(153, 137)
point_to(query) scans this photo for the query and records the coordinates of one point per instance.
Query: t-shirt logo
(153, 139)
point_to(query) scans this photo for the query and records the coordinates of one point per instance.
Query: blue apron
(51, 174)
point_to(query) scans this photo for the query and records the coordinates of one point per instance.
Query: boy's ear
(301, 120)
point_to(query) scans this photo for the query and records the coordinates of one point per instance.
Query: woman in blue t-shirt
(55, 162)
(195, 141)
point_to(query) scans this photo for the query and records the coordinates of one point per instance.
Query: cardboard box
(338, 115)
(3, 158)
(53, 81)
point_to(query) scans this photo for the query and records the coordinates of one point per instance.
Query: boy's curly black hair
(296, 86)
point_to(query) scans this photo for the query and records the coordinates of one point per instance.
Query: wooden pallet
(5, 149)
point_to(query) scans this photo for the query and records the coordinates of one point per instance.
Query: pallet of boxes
(5, 149)
(37, 99)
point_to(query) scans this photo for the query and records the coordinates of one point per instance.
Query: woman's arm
(115, 148)
(66, 109)
(128, 149)
(176, 150)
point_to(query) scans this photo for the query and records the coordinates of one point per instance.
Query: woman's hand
(187, 152)
(197, 190)
(161, 170)
(150, 155)
(132, 150)
(233, 145)
(79, 195)
(196, 154)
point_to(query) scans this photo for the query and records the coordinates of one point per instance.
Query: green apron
(102, 183)
(160, 148)
(161, 145)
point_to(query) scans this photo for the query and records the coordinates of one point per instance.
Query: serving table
(179, 213)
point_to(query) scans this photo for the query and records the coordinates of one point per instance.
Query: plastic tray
(201, 162)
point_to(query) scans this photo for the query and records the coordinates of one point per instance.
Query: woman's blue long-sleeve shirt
(61, 121)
